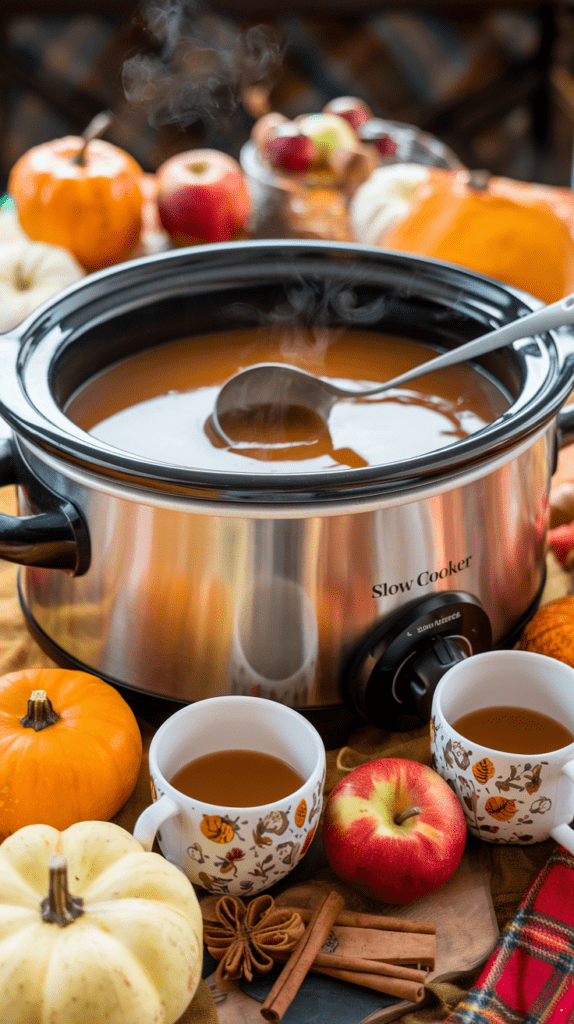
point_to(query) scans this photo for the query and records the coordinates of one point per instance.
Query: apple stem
(412, 812)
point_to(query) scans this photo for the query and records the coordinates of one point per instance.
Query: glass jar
(315, 204)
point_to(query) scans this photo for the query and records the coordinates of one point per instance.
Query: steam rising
(313, 306)
(198, 64)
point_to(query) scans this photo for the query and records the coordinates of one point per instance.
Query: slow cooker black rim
(31, 411)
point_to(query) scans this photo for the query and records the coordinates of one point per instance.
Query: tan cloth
(512, 868)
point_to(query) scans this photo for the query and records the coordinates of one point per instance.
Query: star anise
(248, 939)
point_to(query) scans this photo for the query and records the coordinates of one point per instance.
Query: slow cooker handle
(55, 538)
(565, 423)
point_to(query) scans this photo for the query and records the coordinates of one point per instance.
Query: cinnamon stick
(358, 964)
(412, 948)
(299, 963)
(413, 991)
(355, 919)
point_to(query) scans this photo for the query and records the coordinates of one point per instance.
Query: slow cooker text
(424, 579)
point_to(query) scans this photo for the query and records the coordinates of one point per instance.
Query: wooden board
(467, 933)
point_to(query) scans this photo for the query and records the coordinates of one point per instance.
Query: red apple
(374, 131)
(265, 126)
(288, 149)
(354, 110)
(394, 830)
(202, 197)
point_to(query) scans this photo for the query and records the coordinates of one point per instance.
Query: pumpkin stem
(59, 906)
(478, 180)
(40, 713)
(95, 129)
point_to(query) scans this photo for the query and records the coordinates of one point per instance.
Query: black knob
(416, 684)
(392, 677)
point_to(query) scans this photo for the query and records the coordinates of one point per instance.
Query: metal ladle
(282, 385)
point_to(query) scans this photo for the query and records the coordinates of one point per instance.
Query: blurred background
(495, 81)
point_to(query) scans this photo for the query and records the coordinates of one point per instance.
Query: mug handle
(563, 833)
(151, 818)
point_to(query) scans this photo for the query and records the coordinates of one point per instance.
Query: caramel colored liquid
(514, 730)
(237, 778)
(158, 403)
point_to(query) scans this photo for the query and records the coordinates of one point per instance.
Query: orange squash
(70, 749)
(495, 226)
(551, 630)
(86, 197)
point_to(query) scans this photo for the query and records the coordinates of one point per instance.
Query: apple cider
(237, 778)
(514, 730)
(158, 403)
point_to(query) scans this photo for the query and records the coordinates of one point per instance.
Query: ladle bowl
(282, 386)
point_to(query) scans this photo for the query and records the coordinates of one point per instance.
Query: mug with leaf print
(203, 827)
(502, 736)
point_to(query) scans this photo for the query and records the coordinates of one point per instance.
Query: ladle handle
(558, 314)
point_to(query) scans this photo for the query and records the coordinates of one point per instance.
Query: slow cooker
(344, 593)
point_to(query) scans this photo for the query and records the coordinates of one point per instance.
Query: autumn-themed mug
(507, 797)
(240, 850)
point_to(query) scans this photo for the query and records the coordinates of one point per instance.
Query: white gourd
(30, 274)
(132, 956)
(383, 199)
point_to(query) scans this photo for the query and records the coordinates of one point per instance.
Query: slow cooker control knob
(392, 678)
(415, 685)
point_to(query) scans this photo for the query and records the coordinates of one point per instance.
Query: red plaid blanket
(529, 979)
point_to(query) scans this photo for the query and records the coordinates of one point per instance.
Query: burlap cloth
(512, 868)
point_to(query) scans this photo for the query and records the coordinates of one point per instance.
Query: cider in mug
(502, 735)
(514, 729)
(237, 784)
(238, 778)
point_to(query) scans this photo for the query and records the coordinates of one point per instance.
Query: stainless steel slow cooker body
(177, 584)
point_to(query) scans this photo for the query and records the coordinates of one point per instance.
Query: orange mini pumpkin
(551, 630)
(495, 226)
(86, 197)
(70, 749)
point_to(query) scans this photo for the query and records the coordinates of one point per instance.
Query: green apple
(329, 133)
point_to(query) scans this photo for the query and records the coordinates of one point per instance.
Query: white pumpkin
(30, 274)
(123, 946)
(383, 199)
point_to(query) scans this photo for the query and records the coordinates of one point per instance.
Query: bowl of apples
(303, 173)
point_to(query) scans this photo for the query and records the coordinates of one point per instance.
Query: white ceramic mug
(506, 797)
(237, 850)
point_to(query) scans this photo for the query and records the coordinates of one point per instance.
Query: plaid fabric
(529, 979)
(403, 64)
